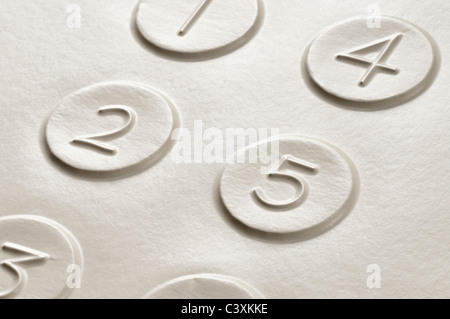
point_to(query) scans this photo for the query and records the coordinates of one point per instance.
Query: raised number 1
(198, 10)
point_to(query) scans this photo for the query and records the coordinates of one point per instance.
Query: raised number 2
(33, 255)
(302, 185)
(93, 140)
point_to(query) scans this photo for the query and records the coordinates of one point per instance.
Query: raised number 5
(21, 274)
(302, 185)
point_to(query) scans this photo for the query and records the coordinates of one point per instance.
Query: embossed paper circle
(110, 127)
(196, 26)
(313, 183)
(39, 258)
(359, 61)
(205, 286)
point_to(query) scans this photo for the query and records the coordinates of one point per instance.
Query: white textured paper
(141, 231)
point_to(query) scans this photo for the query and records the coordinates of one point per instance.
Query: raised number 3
(93, 140)
(302, 185)
(34, 255)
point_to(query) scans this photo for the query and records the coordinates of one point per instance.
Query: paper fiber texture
(167, 221)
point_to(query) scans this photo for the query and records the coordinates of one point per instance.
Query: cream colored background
(165, 222)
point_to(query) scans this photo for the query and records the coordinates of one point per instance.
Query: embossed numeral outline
(376, 63)
(193, 17)
(96, 140)
(302, 185)
(11, 264)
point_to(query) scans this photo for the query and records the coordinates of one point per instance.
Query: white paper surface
(167, 221)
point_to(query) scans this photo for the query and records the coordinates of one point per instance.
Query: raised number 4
(301, 183)
(378, 62)
(33, 255)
